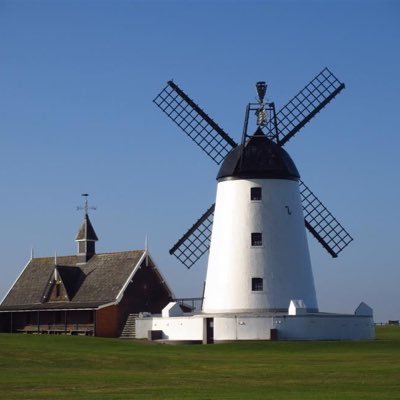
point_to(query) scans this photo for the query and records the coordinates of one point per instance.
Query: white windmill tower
(259, 257)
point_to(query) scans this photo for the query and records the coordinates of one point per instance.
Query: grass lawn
(70, 367)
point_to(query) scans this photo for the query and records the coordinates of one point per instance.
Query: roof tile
(97, 282)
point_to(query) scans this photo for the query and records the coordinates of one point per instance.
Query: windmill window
(256, 239)
(256, 284)
(255, 194)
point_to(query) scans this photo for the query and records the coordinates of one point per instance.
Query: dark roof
(86, 230)
(72, 278)
(261, 158)
(89, 285)
(57, 305)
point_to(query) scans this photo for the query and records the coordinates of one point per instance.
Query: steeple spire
(86, 236)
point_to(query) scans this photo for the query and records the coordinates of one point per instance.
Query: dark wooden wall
(147, 293)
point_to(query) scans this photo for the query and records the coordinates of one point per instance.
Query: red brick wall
(107, 322)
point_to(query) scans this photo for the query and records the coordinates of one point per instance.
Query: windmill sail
(204, 131)
(216, 143)
(196, 241)
(306, 104)
(322, 224)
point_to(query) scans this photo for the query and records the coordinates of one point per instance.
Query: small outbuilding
(86, 293)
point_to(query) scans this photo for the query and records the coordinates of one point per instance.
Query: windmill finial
(55, 258)
(85, 206)
(261, 113)
(261, 88)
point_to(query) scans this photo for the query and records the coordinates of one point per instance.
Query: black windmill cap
(261, 158)
(86, 230)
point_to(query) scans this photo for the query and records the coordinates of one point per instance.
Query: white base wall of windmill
(282, 261)
(253, 326)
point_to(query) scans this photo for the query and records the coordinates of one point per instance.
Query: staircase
(129, 329)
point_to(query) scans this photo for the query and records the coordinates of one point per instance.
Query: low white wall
(242, 328)
(237, 327)
(325, 327)
(174, 328)
(301, 327)
(143, 326)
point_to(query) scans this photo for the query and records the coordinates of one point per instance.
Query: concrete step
(129, 329)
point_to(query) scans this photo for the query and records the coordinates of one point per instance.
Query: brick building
(86, 293)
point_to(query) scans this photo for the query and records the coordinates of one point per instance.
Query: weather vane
(86, 206)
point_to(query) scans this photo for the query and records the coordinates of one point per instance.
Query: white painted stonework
(283, 260)
(258, 291)
(286, 307)
(297, 307)
(176, 329)
(259, 326)
(173, 309)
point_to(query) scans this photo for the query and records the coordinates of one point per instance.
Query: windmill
(255, 232)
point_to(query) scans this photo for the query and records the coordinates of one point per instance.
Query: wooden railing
(72, 329)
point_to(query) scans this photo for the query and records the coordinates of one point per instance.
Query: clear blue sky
(76, 83)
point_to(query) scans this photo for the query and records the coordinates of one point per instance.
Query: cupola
(86, 237)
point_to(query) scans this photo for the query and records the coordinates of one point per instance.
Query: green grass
(65, 367)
